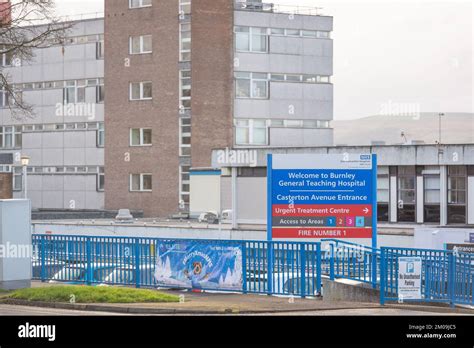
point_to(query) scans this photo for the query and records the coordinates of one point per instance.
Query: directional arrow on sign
(366, 210)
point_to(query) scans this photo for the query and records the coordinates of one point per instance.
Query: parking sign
(409, 278)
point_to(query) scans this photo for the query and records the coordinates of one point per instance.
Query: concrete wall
(300, 137)
(308, 102)
(195, 231)
(436, 238)
(64, 191)
(15, 239)
(252, 210)
(205, 194)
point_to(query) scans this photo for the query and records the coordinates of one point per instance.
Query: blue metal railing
(446, 276)
(351, 261)
(274, 268)
(295, 268)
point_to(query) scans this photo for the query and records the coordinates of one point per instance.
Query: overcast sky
(389, 55)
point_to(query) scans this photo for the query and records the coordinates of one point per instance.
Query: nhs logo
(365, 157)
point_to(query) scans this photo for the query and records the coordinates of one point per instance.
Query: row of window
(29, 86)
(185, 89)
(185, 137)
(185, 46)
(256, 131)
(185, 42)
(51, 127)
(256, 39)
(256, 85)
(74, 91)
(406, 193)
(11, 137)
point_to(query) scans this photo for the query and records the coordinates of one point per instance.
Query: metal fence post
(331, 262)
(244, 267)
(318, 268)
(88, 263)
(270, 267)
(451, 278)
(137, 263)
(427, 280)
(383, 270)
(43, 258)
(303, 269)
(374, 268)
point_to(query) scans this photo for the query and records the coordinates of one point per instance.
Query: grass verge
(91, 294)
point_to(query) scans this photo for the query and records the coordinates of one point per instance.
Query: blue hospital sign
(322, 196)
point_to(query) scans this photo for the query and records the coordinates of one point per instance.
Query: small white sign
(322, 161)
(409, 278)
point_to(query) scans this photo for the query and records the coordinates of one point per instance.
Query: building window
(141, 91)
(17, 179)
(184, 7)
(140, 137)
(6, 59)
(75, 92)
(251, 39)
(293, 32)
(4, 99)
(432, 194)
(406, 194)
(101, 180)
(185, 42)
(139, 3)
(101, 135)
(185, 89)
(100, 50)
(251, 85)
(251, 132)
(383, 194)
(184, 184)
(185, 137)
(100, 93)
(457, 184)
(10, 137)
(141, 44)
(140, 182)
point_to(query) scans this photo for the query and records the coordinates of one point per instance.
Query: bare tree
(25, 25)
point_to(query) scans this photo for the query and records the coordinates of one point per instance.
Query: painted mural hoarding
(197, 265)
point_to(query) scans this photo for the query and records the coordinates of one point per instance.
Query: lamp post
(25, 160)
(440, 150)
(440, 115)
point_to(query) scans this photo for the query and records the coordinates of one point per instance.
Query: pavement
(228, 304)
(15, 310)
